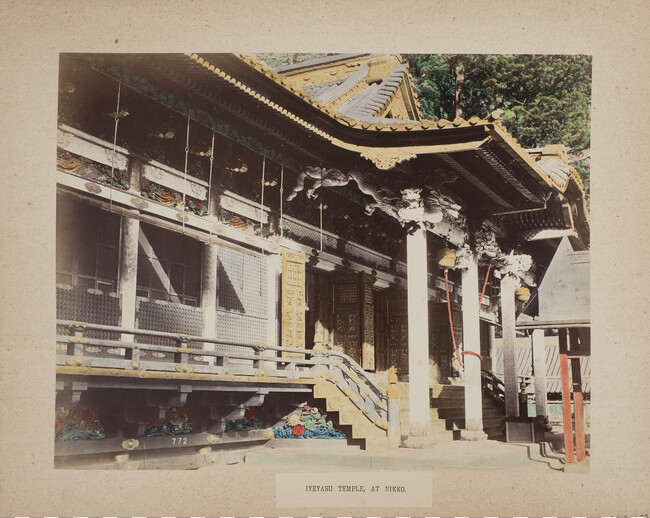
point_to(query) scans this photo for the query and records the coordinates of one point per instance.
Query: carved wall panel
(347, 316)
(382, 362)
(398, 330)
(368, 313)
(354, 322)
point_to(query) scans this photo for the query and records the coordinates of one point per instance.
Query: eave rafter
(474, 180)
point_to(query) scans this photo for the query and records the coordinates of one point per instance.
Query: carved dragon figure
(407, 207)
(322, 178)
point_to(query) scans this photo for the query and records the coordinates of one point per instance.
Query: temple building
(239, 245)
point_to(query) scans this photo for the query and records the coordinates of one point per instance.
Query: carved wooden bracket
(387, 158)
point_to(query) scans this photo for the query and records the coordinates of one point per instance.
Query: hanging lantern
(523, 294)
(446, 258)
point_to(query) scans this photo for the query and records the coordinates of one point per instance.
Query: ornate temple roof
(363, 87)
(361, 112)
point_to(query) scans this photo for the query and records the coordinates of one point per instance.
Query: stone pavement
(470, 455)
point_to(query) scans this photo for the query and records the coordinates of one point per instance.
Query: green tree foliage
(544, 99)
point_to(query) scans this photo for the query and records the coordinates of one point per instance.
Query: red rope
(473, 354)
(451, 322)
(487, 276)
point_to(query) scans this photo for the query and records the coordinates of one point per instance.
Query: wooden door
(354, 330)
(398, 338)
(441, 347)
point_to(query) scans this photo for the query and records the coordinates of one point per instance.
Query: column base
(473, 435)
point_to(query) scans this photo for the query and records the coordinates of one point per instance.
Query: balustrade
(188, 357)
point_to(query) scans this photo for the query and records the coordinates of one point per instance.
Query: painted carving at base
(248, 422)
(308, 424)
(77, 423)
(176, 423)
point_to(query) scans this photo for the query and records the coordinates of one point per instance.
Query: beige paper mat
(615, 33)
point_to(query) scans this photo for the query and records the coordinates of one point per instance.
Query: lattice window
(86, 246)
(346, 293)
(241, 282)
(169, 266)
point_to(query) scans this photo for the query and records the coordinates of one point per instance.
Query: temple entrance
(441, 345)
(354, 318)
(397, 319)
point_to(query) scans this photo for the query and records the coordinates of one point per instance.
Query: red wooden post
(566, 397)
(581, 452)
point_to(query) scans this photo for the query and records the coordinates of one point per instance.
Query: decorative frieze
(438, 212)
(175, 182)
(91, 170)
(172, 198)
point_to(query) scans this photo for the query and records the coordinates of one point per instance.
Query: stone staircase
(448, 405)
(448, 413)
(357, 424)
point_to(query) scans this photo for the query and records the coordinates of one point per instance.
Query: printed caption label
(383, 489)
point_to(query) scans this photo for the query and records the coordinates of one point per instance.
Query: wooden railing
(493, 386)
(195, 355)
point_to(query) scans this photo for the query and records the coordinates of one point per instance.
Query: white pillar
(209, 296)
(472, 343)
(539, 366)
(510, 381)
(418, 334)
(209, 290)
(127, 282)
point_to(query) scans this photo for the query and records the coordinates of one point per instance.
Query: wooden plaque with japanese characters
(293, 302)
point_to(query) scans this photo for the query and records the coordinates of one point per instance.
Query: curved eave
(495, 167)
(425, 137)
(411, 134)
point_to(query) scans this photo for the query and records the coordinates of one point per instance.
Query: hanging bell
(523, 294)
(446, 258)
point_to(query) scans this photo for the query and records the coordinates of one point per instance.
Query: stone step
(448, 402)
(442, 436)
(355, 423)
(451, 391)
(437, 437)
(454, 412)
(488, 422)
(311, 444)
(437, 425)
